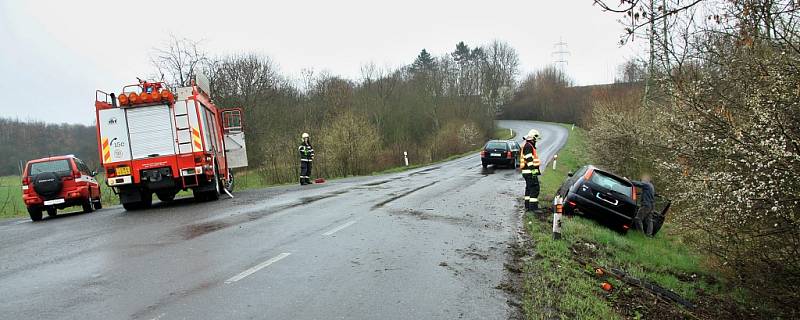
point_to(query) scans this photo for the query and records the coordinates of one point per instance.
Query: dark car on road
(500, 152)
(54, 183)
(604, 196)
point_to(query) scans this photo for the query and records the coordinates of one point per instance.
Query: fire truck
(153, 140)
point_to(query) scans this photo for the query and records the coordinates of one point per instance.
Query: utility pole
(560, 54)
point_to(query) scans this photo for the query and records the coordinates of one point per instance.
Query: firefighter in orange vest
(529, 164)
(306, 158)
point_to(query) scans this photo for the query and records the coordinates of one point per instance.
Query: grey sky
(56, 53)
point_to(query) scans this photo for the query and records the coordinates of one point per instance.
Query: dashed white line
(339, 228)
(255, 269)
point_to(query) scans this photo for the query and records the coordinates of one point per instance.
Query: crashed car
(606, 197)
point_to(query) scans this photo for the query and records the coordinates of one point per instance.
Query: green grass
(558, 285)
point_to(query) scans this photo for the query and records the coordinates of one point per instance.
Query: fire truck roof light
(123, 99)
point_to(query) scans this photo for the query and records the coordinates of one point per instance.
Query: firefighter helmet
(305, 135)
(532, 135)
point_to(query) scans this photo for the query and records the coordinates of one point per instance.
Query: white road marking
(255, 269)
(21, 222)
(339, 228)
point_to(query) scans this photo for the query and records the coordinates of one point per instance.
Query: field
(560, 279)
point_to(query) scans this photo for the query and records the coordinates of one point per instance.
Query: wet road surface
(429, 243)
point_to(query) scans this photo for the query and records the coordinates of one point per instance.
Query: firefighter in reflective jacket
(306, 158)
(529, 163)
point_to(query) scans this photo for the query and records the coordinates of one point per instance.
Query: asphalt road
(423, 244)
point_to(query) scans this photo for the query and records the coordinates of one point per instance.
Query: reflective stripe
(526, 171)
(529, 155)
(534, 200)
(527, 198)
(306, 160)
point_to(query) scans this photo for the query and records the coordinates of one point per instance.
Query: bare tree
(178, 59)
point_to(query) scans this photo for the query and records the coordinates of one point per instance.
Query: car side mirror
(94, 173)
(570, 174)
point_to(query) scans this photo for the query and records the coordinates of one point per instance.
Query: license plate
(123, 171)
(54, 201)
(495, 154)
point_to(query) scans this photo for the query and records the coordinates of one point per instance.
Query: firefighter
(644, 217)
(306, 158)
(529, 164)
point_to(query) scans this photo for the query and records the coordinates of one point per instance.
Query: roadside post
(510, 133)
(555, 158)
(405, 157)
(573, 127)
(558, 207)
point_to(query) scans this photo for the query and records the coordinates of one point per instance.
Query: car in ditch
(500, 153)
(54, 183)
(606, 197)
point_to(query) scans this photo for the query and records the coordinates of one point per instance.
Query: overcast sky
(55, 54)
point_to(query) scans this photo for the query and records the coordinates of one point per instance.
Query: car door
(86, 175)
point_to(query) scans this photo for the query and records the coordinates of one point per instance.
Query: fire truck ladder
(184, 133)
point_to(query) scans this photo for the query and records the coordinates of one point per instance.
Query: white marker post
(405, 157)
(555, 158)
(573, 127)
(558, 207)
(510, 133)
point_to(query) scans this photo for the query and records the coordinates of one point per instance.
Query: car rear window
(609, 182)
(497, 145)
(49, 166)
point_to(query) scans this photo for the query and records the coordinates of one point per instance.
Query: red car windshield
(49, 166)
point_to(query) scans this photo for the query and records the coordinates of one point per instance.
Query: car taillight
(110, 173)
(588, 174)
(572, 203)
(633, 193)
(483, 154)
(26, 181)
(509, 155)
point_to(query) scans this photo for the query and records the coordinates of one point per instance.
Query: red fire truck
(156, 140)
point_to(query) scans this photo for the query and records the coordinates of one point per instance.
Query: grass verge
(560, 279)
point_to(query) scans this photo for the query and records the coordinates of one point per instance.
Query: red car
(54, 183)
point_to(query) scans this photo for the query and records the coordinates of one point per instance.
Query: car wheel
(35, 213)
(51, 212)
(98, 204)
(88, 206)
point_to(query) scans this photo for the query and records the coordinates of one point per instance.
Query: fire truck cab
(153, 140)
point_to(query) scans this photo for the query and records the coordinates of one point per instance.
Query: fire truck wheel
(35, 213)
(51, 212)
(165, 196)
(147, 199)
(229, 183)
